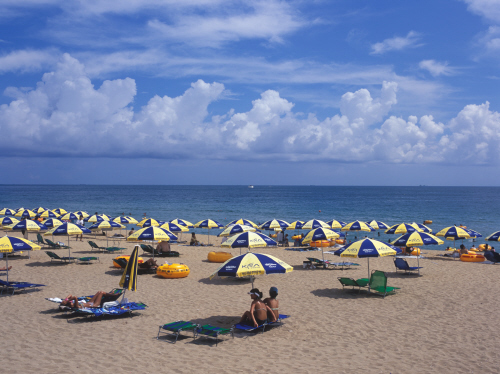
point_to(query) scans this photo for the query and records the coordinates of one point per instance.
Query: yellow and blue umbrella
(52, 222)
(124, 220)
(152, 233)
(172, 227)
(68, 228)
(415, 238)
(82, 213)
(249, 240)
(378, 225)
(182, 222)
(10, 244)
(149, 222)
(39, 210)
(274, 224)
(252, 264)
(59, 211)
(25, 213)
(422, 227)
(208, 224)
(473, 233)
(242, 221)
(334, 224)
(453, 233)
(106, 226)
(96, 218)
(28, 225)
(315, 224)
(320, 234)
(295, 225)
(132, 219)
(69, 216)
(402, 228)
(236, 229)
(128, 280)
(8, 220)
(49, 214)
(495, 237)
(7, 212)
(357, 226)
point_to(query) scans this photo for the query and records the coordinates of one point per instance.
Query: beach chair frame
(17, 286)
(402, 264)
(176, 328)
(213, 332)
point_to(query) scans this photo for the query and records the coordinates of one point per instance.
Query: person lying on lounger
(272, 303)
(149, 264)
(95, 302)
(5, 269)
(257, 315)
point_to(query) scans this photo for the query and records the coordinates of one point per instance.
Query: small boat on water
(250, 186)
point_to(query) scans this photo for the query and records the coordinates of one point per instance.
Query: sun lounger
(378, 283)
(17, 286)
(402, 264)
(175, 328)
(105, 249)
(316, 262)
(249, 328)
(55, 257)
(39, 240)
(213, 332)
(343, 264)
(53, 245)
(116, 293)
(114, 310)
(151, 250)
(345, 281)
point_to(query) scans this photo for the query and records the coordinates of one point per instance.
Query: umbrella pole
(418, 262)
(368, 274)
(7, 267)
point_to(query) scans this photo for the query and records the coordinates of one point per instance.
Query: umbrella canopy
(357, 226)
(378, 225)
(402, 228)
(453, 233)
(296, 225)
(242, 221)
(172, 227)
(132, 219)
(367, 248)
(124, 220)
(334, 224)
(274, 224)
(8, 220)
(495, 237)
(422, 227)
(39, 210)
(69, 216)
(82, 213)
(182, 222)
(152, 233)
(208, 224)
(148, 222)
(10, 244)
(249, 240)
(68, 229)
(49, 214)
(415, 238)
(473, 233)
(96, 218)
(315, 224)
(106, 225)
(236, 229)
(52, 222)
(251, 264)
(59, 211)
(7, 212)
(25, 213)
(129, 277)
(28, 225)
(320, 234)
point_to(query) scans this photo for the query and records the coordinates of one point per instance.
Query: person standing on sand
(81, 223)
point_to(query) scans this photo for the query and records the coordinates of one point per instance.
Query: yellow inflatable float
(296, 237)
(219, 256)
(139, 260)
(472, 258)
(415, 252)
(173, 271)
(427, 222)
(340, 241)
(321, 243)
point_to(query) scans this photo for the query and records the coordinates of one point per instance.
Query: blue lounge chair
(175, 328)
(213, 332)
(248, 328)
(492, 256)
(402, 264)
(116, 310)
(17, 286)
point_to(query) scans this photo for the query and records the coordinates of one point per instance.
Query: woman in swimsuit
(257, 315)
(95, 302)
(272, 303)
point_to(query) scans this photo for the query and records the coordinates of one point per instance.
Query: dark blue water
(476, 207)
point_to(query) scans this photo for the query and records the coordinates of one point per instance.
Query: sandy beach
(443, 321)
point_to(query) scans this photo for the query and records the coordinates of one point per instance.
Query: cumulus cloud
(66, 115)
(489, 9)
(397, 43)
(436, 68)
(27, 60)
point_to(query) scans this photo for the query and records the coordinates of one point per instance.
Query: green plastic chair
(362, 282)
(378, 283)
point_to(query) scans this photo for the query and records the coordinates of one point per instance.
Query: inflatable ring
(173, 271)
(273, 235)
(321, 243)
(427, 222)
(219, 256)
(126, 257)
(472, 251)
(482, 247)
(340, 241)
(472, 258)
(415, 252)
(462, 227)
(296, 237)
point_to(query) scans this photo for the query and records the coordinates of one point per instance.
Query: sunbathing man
(95, 301)
(163, 246)
(257, 315)
(149, 264)
(272, 303)
(5, 269)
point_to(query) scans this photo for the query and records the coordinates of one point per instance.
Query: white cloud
(489, 9)
(397, 43)
(66, 111)
(436, 68)
(27, 60)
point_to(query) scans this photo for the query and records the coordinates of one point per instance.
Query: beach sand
(445, 321)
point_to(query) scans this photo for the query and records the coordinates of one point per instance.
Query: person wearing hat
(273, 303)
(257, 315)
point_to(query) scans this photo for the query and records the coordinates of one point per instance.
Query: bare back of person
(274, 305)
(260, 310)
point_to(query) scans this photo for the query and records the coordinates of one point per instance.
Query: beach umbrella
(249, 240)
(49, 214)
(320, 233)
(208, 224)
(152, 233)
(10, 244)
(59, 211)
(132, 219)
(7, 212)
(315, 224)
(8, 220)
(334, 224)
(417, 238)
(236, 229)
(68, 228)
(28, 225)
(147, 222)
(367, 248)
(453, 233)
(377, 225)
(473, 233)
(96, 218)
(128, 280)
(25, 213)
(52, 222)
(69, 216)
(296, 225)
(105, 226)
(123, 220)
(402, 228)
(357, 226)
(274, 224)
(172, 227)
(182, 222)
(495, 237)
(242, 221)
(39, 210)
(106, 217)
(82, 213)
(251, 264)
(422, 227)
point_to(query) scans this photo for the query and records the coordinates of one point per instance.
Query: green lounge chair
(105, 249)
(55, 257)
(213, 332)
(154, 252)
(175, 328)
(140, 270)
(39, 239)
(378, 283)
(55, 245)
(362, 282)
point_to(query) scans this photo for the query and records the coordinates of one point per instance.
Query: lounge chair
(105, 249)
(319, 263)
(116, 293)
(378, 283)
(175, 328)
(492, 256)
(402, 264)
(249, 328)
(112, 310)
(140, 270)
(39, 239)
(151, 250)
(53, 245)
(213, 332)
(55, 257)
(17, 286)
(362, 282)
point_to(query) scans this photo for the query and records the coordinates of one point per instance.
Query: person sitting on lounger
(194, 241)
(163, 246)
(149, 264)
(272, 303)
(95, 301)
(131, 231)
(463, 250)
(257, 315)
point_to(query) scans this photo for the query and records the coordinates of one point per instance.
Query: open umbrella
(52, 222)
(357, 226)
(105, 226)
(453, 233)
(252, 264)
(417, 238)
(242, 221)
(182, 222)
(249, 240)
(296, 225)
(25, 213)
(49, 214)
(315, 224)
(151, 233)
(147, 222)
(28, 225)
(59, 211)
(422, 227)
(68, 229)
(378, 225)
(7, 212)
(334, 224)
(10, 244)
(402, 228)
(495, 237)
(8, 220)
(320, 234)
(274, 224)
(208, 224)
(69, 216)
(82, 213)
(39, 210)
(236, 229)
(95, 218)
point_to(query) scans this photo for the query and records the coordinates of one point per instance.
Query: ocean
(477, 208)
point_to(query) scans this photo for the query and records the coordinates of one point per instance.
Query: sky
(316, 92)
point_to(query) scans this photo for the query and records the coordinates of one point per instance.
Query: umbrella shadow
(338, 293)
(226, 281)
(47, 264)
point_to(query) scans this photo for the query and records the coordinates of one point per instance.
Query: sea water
(477, 208)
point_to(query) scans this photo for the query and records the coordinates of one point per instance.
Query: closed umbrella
(128, 280)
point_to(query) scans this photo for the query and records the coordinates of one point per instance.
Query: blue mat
(245, 327)
(111, 311)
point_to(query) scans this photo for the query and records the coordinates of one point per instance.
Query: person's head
(273, 292)
(81, 217)
(193, 235)
(462, 246)
(255, 293)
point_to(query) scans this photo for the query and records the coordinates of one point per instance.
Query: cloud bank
(65, 115)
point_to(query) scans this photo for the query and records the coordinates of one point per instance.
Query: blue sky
(250, 92)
